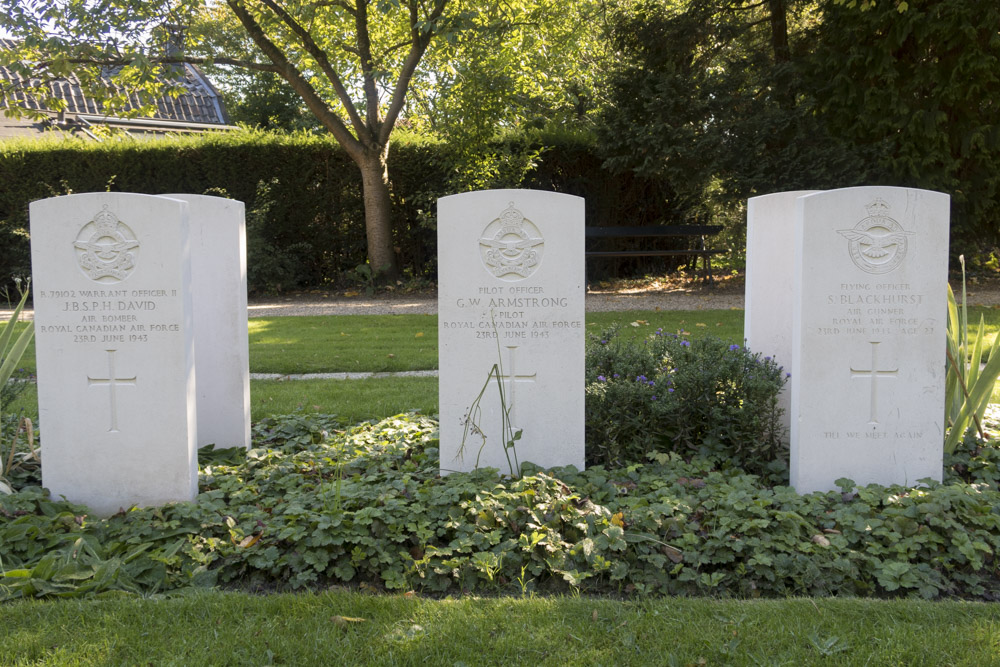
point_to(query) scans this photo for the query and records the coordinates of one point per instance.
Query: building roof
(198, 108)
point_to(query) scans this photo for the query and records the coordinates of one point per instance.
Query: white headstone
(767, 319)
(115, 349)
(219, 293)
(511, 293)
(868, 351)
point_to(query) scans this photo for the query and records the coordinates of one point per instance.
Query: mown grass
(343, 343)
(351, 400)
(362, 629)
(377, 343)
(347, 343)
(393, 343)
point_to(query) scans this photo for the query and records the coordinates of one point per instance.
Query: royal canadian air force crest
(878, 244)
(511, 246)
(106, 248)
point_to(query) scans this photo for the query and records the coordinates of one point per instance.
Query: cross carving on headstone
(112, 383)
(873, 374)
(510, 381)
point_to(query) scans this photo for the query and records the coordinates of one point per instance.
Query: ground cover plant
(315, 504)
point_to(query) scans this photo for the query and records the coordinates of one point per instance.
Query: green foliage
(311, 504)
(304, 206)
(514, 64)
(705, 97)
(918, 89)
(667, 393)
(11, 350)
(722, 103)
(968, 386)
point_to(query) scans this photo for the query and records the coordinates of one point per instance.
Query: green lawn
(378, 343)
(347, 628)
(345, 343)
(351, 400)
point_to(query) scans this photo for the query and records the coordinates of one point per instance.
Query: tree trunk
(378, 214)
(779, 31)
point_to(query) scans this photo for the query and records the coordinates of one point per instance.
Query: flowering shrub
(668, 393)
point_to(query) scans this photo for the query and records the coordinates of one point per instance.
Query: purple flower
(601, 378)
(733, 348)
(671, 390)
(652, 383)
(767, 358)
(616, 376)
(641, 378)
(654, 398)
(685, 343)
(788, 375)
(604, 342)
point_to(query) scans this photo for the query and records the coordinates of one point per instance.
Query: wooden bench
(698, 233)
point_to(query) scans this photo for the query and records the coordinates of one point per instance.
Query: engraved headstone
(115, 349)
(511, 317)
(219, 292)
(868, 340)
(767, 321)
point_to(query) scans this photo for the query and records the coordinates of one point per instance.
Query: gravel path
(695, 298)
(427, 303)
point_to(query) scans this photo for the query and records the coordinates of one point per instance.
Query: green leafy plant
(365, 278)
(313, 504)
(11, 351)
(969, 384)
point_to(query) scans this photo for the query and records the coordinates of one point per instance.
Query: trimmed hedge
(305, 217)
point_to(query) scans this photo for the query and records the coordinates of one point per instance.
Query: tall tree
(535, 66)
(711, 97)
(919, 84)
(351, 62)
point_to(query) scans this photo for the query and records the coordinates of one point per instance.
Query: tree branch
(367, 70)
(324, 63)
(329, 119)
(419, 46)
(119, 62)
(335, 3)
